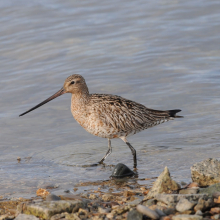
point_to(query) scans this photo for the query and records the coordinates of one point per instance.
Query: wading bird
(109, 116)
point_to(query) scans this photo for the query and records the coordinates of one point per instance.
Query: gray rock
(135, 202)
(148, 212)
(163, 184)
(187, 217)
(101, 210)
(189, 191)
(26, 217)
(216, 216)
(52, 197)
(47, 209)
(184, 205)
(206, 172)
(199, 212)
(160, 212)
(210, 190)
(150, 202)
(171, 199)
(134, 215)
(204, 203)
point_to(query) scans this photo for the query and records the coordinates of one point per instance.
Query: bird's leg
(133, 151)
(108, 152)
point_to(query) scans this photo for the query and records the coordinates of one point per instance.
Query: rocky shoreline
(123, 199)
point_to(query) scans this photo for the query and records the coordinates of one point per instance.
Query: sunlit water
(164, 54)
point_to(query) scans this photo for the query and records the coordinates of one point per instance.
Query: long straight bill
(59, 93)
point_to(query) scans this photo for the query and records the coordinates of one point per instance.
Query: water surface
(163, 54)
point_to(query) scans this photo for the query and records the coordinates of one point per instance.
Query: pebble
(134, 215)
(189, 191)
(187, 217)
(42, 192)
(47, 209)
(101, 210)
(199, 212)
(215, 210)
(184, 205)
(148, 212)
(26, 217)
(216, 216)
(107, 197)
(204, 204)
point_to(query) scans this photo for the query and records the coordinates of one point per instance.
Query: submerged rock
(121, 170)
(163, 184)
(206, 172)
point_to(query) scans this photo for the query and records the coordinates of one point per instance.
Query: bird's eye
(72, 82)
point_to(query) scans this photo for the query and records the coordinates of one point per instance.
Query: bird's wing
(125, 115)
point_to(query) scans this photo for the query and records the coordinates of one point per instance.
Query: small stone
(216, 195)
(187, 217)
(128, 193)
(204, 204)
(199, 212)
(107, 197)
(163, 184)
(148, 212)
(216, 216)
(184, 205)
(52, 197)
(134, 215)
(150, 202)
(193, 185)
(217, 200)
(121, 170)
(206, 172)
(93, 196)
(189, 191)
(215, 210)
(26, 217)
(135, 202)
(160, 212)
(47, 209)
(58, 216)
(110, 215)
(42, 192)
(101, 210)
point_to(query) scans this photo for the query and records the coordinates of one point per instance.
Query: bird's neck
(80, 99)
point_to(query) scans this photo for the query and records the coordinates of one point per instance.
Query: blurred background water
(164, 54)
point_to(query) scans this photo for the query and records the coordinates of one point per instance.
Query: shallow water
(163, 54)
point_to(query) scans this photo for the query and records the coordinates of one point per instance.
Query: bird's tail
(173, 113)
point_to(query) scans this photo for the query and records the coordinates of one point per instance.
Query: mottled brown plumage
(109, 116)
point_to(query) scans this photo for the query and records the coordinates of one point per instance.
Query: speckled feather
(111, 116)
(108, 116)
